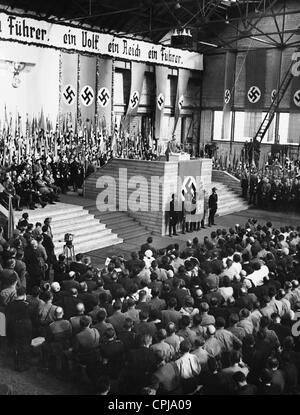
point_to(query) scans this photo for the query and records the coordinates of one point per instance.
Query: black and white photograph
(150, 200)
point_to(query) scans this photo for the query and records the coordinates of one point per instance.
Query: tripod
(69, 249)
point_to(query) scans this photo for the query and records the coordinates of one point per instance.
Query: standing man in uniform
(172, 216)
(213, 206)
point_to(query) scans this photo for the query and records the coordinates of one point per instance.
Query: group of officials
(39, 181)
(186, 214)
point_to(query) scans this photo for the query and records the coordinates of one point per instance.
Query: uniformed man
(172, 216)
(213, 206)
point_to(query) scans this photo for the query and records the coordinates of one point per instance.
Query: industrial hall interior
(150, 198)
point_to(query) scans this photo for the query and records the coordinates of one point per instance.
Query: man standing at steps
(213, 206)
(172, 216)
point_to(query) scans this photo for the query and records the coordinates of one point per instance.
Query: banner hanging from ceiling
(61, 36)
(161, 73)
(228, 94)
(255, 79)
(182, 83)
(104, 95)
(137, 79)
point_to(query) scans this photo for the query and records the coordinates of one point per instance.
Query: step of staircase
(121, 223)
(228, 200)
(89, 233)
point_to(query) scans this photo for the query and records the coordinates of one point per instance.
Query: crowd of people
(219, 316)
(37, 181)
(275, 187)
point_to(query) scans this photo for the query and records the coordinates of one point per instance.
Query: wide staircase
(229, 193)
(129, 222)
(120, 223)
(228, 179)
(89, 233)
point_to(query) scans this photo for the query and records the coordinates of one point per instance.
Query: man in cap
(213, 206)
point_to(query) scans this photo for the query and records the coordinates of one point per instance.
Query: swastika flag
(182, 83)
(68, 81)
(104, 91)
(161, 75)
(295, 94)
(137, 79)
(87, 87)
(255, 79)
(228, 94)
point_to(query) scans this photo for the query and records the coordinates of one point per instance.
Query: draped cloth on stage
(137, 79)
(161, 73)
(228, 94)
(183, 79)
(104, 101)
(68, 82)
(190, 191)
(87, 87)
(255, 79)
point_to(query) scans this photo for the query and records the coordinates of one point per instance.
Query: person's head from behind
(184, 322)
(117, 306)
(172, 303)
(185, 346)
(58, 313)
(143, 315)
(79, 257)
(128, 324)
(144, 340)
(110, 334)
(161, 335)
(85, 321)
(220, 323)
(80, 309)
(171, 328)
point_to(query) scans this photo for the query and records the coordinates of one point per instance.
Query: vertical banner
(137, 78)
(274, 70)
(68, 101)
(183, 79)
(255, 79)
(104, 102)
(87, 87)
(228, 94)
(293, 131)
(295, 94)
(161, 73)
(190, 190)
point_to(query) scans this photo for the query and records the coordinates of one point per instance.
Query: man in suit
(49, 247)
(213, 206)
(118, 318)
(172, 217)
(171, 315)
(141, 365)
(148, 245)
(78, 265)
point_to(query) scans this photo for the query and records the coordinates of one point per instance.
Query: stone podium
(150, 183)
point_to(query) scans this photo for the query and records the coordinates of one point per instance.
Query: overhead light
(213, 45)
(177, 5)
(260, 40)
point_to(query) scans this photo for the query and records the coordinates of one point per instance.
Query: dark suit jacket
(49, 246)
(141, 365)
